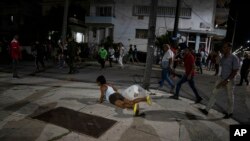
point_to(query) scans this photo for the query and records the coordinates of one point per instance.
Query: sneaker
(227, 116)
(149, 100)
(174, 97)
(204, 111)
(135, 108)
(198, 100)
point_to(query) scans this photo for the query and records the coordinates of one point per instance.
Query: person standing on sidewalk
(16, 55)
(244, 71)
(189, 65)
(114, 97)
(167, 63)
(229, 67)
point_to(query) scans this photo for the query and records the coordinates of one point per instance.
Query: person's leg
(246, 77)
(161, 82)
(192, 86)
(212, 98)
(241, 78)
(178, 86)
(167, 78)
(14, 65)
(230, 95)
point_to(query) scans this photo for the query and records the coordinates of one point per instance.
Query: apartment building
(127, 21)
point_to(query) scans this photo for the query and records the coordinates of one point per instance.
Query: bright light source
(248, 41)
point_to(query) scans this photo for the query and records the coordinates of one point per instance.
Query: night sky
(239, 13)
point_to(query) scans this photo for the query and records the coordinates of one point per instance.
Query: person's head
(166, 47)
(226, 48)
(187, 50)
(101, 80)
(134, 46)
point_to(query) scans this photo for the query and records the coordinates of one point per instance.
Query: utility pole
(65, 20)
(151, 44)
(176, 21)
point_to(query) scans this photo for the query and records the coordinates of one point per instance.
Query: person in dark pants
(39, 52)
(71, 54)
(16, 55)
(198, 62)
(244, 71)
(102, 56)
(189, 65)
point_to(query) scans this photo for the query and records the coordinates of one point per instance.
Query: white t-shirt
(165, 59)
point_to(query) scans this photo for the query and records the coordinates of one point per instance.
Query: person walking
(16, 55)
(244, 71)
(121, 53)
(167, 63)
(135, 52)
(189, 65)
(72, 47)
(229, 67)
(130, 54)
(102, 56)
(39, 53)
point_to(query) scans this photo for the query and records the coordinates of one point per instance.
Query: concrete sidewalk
(165, 120)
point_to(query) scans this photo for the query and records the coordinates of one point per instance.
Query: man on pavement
(229, 67)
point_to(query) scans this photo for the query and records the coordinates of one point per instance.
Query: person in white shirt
(167, 63)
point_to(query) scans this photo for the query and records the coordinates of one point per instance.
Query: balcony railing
(99, 20)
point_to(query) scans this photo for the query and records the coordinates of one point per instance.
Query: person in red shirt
(15, 53)
(189, 65)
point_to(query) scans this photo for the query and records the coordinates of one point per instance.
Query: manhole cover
(76, 121)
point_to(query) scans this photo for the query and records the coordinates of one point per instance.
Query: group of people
(229, 67)
(116, 54)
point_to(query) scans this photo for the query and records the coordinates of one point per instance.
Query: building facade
(127, 21)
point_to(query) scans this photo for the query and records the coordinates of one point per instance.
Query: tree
(151, 44)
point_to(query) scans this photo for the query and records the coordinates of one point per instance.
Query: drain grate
(83, 123)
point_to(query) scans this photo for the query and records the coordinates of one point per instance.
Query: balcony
(99, 20)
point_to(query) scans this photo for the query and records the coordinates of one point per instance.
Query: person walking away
(16, 55)
(244, 71)
(71, 54)
(167, 62)
(102, 56)
(130, 54)
(229, 66)
(39, 52)
(188, 76)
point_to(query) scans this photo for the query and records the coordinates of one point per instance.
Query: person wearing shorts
(112, 95)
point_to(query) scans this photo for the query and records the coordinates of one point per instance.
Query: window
(141, 33)
(104, 11)
(161, 11)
